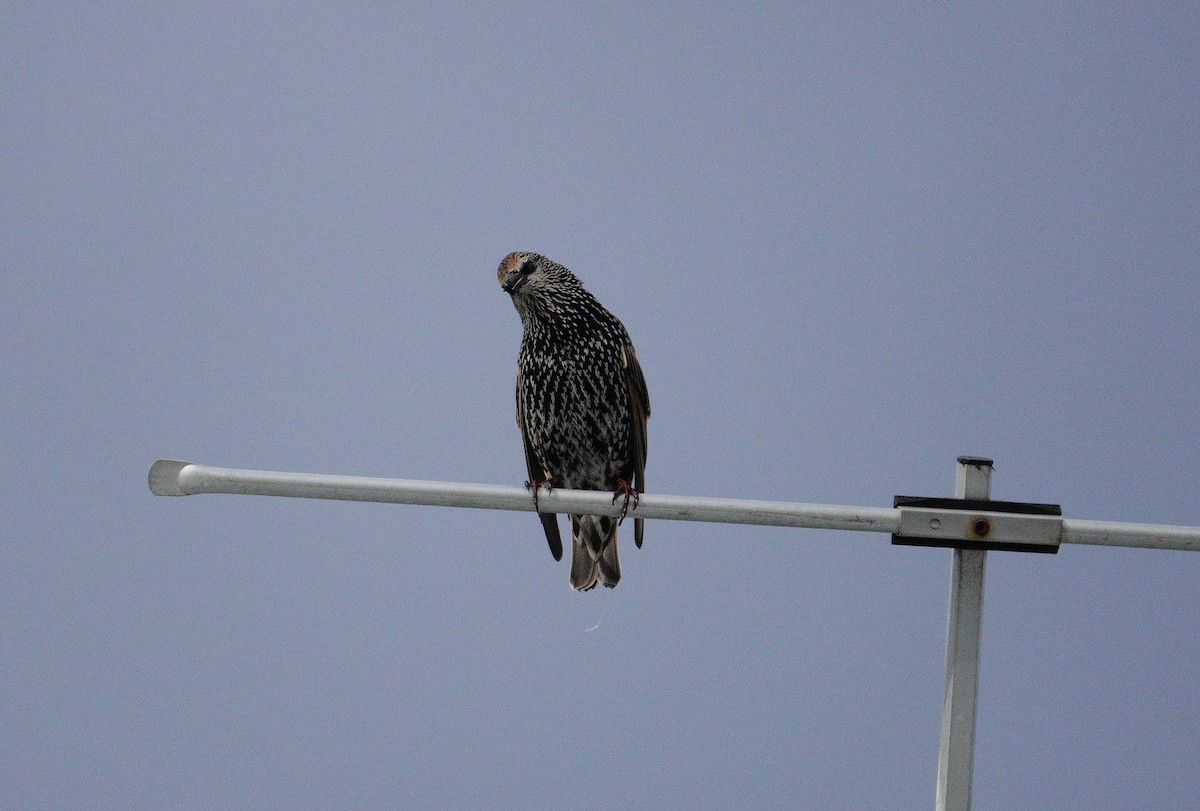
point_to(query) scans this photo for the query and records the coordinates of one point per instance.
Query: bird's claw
(625, 489)
(535, 486)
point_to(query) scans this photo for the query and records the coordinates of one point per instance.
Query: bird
(582, 407)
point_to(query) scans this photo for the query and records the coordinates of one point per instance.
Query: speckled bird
(582, 407)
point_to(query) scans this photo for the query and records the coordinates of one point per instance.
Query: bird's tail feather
(594, 552)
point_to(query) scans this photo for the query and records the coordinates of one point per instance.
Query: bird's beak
(513, 281)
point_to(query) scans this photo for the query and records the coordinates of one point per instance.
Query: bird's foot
(625, 489)
(535, 486)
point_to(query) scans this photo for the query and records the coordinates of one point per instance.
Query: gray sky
(849, 246)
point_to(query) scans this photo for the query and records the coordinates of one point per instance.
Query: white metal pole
(956, 750)
(170, 477)
(1141, 536)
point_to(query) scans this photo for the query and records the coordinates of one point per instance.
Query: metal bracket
(1010, 526)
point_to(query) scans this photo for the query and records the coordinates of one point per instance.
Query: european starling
(581, 407)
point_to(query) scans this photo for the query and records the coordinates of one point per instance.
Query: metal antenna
(970, 523)
(956, 751)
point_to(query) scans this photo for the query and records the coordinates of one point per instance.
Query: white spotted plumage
(582, 405)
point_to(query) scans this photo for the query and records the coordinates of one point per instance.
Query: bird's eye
(528, 267)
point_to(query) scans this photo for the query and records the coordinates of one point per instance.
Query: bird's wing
(639, 412)
(536, 477)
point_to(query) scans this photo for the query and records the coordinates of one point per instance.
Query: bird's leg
(535, 486)
(624, 488)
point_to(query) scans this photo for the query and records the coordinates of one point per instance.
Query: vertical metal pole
(957, 748)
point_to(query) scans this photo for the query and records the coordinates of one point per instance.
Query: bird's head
(533, 281)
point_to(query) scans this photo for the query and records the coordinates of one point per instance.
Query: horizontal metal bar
(169, 477)
(1143, 536)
